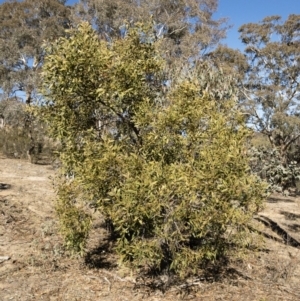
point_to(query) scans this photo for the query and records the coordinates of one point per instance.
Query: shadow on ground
(279, 199)
(99, 257)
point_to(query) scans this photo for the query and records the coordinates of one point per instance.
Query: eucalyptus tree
(271, 95)
(187, 27)
(24, 26)
(268, 77)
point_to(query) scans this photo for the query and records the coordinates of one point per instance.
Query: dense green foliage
(150, 131)
(266, 72)
(167, 169)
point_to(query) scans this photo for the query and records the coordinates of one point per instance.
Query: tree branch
(126, 121)
(286, 146)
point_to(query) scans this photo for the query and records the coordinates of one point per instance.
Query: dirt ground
(35, 266)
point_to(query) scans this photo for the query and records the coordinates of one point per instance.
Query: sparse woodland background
(174, 138)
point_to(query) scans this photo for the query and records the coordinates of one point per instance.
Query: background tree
(271, 88)
(267, 79)
(14, 140)
(24, 25)
(230, 61)
(187, 26)
(12, 112)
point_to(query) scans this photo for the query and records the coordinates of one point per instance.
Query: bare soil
(35, 266)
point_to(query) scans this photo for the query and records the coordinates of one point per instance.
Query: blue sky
(240, 12)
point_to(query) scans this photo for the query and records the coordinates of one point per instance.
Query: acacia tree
(187, 27)
(168, 170)
(271, 86)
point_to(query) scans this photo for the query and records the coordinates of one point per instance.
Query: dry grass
(39, 268)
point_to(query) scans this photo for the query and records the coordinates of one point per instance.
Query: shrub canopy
(167, 168)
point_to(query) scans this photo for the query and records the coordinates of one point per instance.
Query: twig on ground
(4, 258)
(109, 284)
